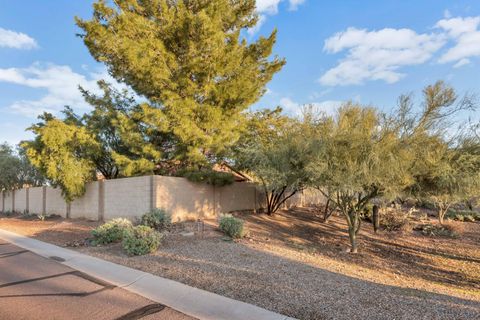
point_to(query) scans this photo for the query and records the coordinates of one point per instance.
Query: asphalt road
(33, 287)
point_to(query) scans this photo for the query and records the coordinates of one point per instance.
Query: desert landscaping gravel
(294, 265)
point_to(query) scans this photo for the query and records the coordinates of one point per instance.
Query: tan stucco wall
(184, 199)
(129, 197)
(21, 200)
(132, 197)
(35, 204)
(8, 201)
(86, 206)
(238, 196)
(55, 203)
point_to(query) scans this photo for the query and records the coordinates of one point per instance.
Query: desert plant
(375, 218)
(141, 240)
(469, 218)
(459, 217)
(157, 219)
(393, 220)
(231, 226)
(112, 231)
(437, 230)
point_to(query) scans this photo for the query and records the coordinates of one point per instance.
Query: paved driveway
(33, 287)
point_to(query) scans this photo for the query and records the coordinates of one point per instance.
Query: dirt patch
(296, 265)
(56, 230)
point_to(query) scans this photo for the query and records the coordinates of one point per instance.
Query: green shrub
(215, 178)
(425, 204)
(459, 217)
(141, 240)
(367, 213)
(111, 231)
(157, 219)
(437, 230)
(469, 218)
(392, 220)
(231, 226)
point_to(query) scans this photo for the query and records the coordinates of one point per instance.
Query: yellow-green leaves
(61, 152)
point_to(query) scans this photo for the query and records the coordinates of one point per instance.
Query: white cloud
(60, 83)
(466, 34)
(377, 55)
(462, 63)
(293, 108)
(270, 7)
(16, 40)
(295, 3)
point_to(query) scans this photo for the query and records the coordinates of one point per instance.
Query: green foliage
(215, 178)
(62, 153)
(438, 230)
(157, 219)
(189, 60)
(357, 158)
(16, 170)
(231, 226)
(103, 123)
(446, 169)
(394, 220)
(274, 153)
(111, 231)
(141, 240)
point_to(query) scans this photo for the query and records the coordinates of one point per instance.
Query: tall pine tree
(189, 59)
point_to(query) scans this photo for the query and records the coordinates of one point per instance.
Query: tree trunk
(327, 213)
(375, 218)
(353, 239)
(442, 211)
(354, 222)
(441, 215)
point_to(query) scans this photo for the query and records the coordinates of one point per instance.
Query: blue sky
(368, 51)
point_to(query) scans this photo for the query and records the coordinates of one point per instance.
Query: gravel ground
(279, 269)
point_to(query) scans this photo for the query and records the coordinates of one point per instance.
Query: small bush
(459, 217)
(231, 226)
(367, 213)
(215, 178)
(392, 220)
(112, 231)
(157, 219)
(437, 230)
(469, 218)
(141, 240)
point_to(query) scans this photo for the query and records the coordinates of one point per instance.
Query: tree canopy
(62, 153)
(16, 170)
(191, 63)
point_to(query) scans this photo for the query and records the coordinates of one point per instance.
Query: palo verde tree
(274, 152)
(62, 153)
(358, 159)
(451, 175)
(189, 60)
(446, 165)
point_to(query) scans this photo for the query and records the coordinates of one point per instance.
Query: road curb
(191, 301)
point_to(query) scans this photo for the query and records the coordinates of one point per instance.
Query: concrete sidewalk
(188, 300)
(36, 288)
